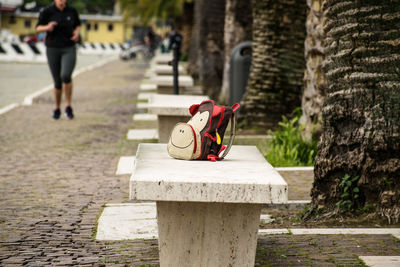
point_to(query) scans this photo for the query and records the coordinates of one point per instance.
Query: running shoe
(56, 114)
(69, 113)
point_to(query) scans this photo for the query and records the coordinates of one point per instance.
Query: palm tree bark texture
(208, 51)
(361, 112)
(314, 76)
(193, 57)
(276, 76)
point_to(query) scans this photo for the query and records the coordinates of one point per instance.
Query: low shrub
(288, 147)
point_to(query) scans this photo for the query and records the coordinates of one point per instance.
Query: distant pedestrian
(41, 37)
(62, 24)
(175, 43)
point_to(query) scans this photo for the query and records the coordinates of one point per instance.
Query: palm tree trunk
(184, 25)
(238, 24)
(277, 70)
(314, 77)
(193, 59)
(209, 33)
(361, 113)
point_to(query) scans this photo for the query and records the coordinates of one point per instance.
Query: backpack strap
(233, 131)
(231, 137)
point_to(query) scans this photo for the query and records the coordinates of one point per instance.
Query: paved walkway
(56, 176)
(16, 78)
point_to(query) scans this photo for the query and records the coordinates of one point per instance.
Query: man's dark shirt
(67, 20)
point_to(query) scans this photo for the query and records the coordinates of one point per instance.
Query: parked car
(137, 50)
(30, 39)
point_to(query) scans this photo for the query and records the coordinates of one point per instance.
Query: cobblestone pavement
(56, 176)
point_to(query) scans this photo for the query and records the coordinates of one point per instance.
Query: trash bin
(239, 71)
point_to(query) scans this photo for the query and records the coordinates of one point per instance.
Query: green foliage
(303, 212)
(146, 10)
(309, 212)
(367, 208)
(388, 182)
(83, 6)
(349, 195)
(288, 147)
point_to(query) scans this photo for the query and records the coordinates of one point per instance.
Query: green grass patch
(94, 230)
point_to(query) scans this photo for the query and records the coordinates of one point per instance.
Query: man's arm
(46, 28)
(75, 35)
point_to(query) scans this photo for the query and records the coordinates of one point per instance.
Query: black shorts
(61, 63)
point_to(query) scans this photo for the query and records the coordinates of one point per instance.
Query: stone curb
(290, 205)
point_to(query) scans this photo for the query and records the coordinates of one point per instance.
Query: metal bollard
(175, 44)
(175, 62)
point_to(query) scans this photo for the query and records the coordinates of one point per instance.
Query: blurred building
(9, 5)
(102, 28)
(95, 28)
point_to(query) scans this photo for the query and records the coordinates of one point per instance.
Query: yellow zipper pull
(218, 138)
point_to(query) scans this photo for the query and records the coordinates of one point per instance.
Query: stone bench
(208, 213)
(167, 70)
(171, 109)
(159, 70)
(162, 59)
(165, 83)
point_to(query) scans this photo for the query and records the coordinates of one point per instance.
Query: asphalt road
(17, 80)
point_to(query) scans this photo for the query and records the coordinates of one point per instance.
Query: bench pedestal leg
(165, 125)
(207, 234)
(162, 89)
(165, 89)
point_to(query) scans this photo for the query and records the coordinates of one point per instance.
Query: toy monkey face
(185, 139)
(182, 137)
(183, 142)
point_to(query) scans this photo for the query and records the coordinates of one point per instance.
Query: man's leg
(67, 66)
(54, 62)
(57, 97)
(67, 87)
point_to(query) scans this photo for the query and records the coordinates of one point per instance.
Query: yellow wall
(102, 33)
(18, 27)
(119, 34)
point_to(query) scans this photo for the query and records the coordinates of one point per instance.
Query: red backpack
(201, 137)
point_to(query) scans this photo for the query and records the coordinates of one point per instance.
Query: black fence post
(175, 44)
(175, 62)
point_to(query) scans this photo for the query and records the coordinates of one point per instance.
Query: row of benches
(208, 213)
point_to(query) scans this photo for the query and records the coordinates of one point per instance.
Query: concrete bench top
(163, 58)
(166, 69)
(166, 80)
(173, 105)
(244, 176)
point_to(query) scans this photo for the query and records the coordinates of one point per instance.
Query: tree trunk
(209, 27)
(184, 25)
(193, 60)
(238, 25)
(361, 113)
(314, 77)
(207, 47)
(277, 70)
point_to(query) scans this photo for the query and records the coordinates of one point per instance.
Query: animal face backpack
(201, 137)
